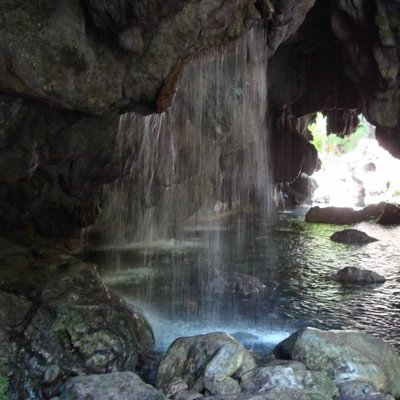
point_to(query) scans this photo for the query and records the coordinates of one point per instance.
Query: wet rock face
(116, 386)
(282, 379)
(345, 356)
(53, 165)
(61, 321)
(361, 391)
(119, 55)
(213, 362)
(369, 35)
(109, 55)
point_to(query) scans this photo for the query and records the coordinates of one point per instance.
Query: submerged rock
(345, 356)
(352, 236)
(333, 215)
(390, 215)
(214, 363)
(236, 282)
(116, 386)
(354, 275)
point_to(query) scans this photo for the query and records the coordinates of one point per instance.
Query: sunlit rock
(366, 175)
(116, 386)
(354, 275)
(345, 356)
(333, 215)
(352, 236)
(214, 363)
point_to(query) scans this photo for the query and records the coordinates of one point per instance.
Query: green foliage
(4, 394)
(333, 144)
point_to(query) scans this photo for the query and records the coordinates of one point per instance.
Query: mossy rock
(4, 388)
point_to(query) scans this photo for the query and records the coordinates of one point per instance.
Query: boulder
(116, 386)
(345, 356)
(372, 211)
(71, 325)
(282, 378)
(14, 311)
(390, 215)
(81, 328)
(236, 282)
(354, 275)
(212, 363)
(361, 391)
(333, 215)
(352, 236)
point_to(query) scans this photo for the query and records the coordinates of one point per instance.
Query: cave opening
(354, 170)
(175, 222)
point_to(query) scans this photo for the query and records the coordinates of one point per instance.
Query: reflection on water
(173, 283)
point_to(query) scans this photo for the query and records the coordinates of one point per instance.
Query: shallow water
(170, 281)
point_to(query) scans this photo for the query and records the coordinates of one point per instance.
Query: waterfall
(199, 181)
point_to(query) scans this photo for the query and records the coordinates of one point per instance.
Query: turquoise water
(171, 281)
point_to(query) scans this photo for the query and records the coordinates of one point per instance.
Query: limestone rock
(352, 236)
(116, 386)
(345, 356)
(333, 215)
(211, 362)
(357, 276)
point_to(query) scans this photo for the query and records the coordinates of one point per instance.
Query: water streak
(198, 174)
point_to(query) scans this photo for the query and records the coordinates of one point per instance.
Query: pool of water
(173, 281)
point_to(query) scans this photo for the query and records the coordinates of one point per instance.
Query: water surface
(171, 281)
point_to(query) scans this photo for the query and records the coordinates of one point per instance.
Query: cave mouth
(355, 171)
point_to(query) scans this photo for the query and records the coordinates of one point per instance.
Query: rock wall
(61, 90)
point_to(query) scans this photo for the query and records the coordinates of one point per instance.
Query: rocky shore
(66, 336)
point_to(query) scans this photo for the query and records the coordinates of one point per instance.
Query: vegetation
(333, 144)
(4, 395)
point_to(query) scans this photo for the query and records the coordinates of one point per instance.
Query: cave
(159, 231)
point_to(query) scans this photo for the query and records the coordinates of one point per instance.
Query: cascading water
(199, 187)
(188, 228)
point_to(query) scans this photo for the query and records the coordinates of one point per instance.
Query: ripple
(293, 260)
